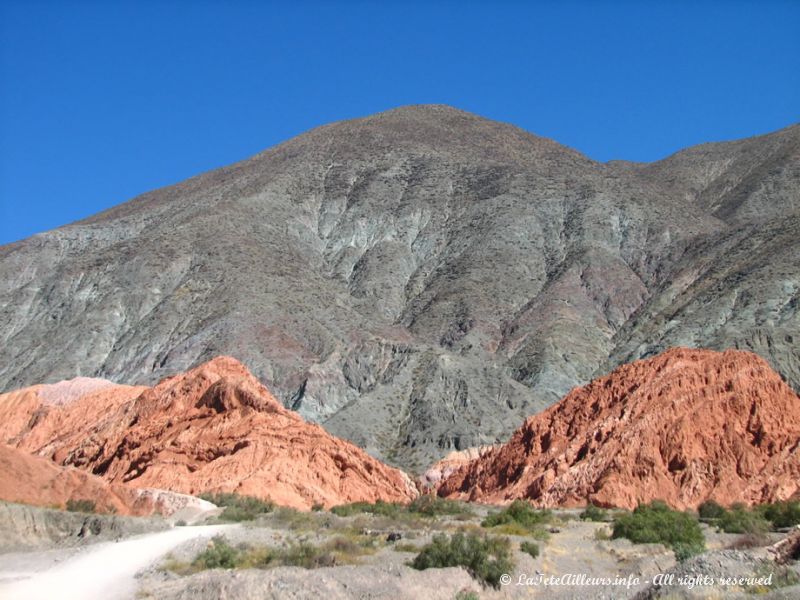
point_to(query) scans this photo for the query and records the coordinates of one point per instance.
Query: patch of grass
(531, 548)
(84, 506)
(237, 508)
(593, 513)
(519, 518)
(741, 520)
(656, 523)
(486, 558)
(467, 595)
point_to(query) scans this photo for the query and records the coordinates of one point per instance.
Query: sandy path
(103, 571)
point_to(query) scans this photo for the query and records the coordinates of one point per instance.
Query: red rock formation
(214, 428)
(684, 426)
(38, 481)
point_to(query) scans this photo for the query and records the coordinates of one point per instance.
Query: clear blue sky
(101, 101)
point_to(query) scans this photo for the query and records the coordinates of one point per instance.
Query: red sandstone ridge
(36, 480)
(684, 426)
(214, 428)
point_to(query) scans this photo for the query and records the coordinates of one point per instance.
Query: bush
(531, 548)
(486, 558)
(423, 506)
(519, 513)
(433, 506)
(710, 510)
(85, 506)
(219, 555)
(781, 514)
(239, 508)
(593, 513)
(387, 509)
(656, 523)
(741, 520)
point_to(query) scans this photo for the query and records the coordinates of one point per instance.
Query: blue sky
(101, 101)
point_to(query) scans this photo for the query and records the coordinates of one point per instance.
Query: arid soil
(684, 426)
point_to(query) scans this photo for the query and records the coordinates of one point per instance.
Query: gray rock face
(422, 279)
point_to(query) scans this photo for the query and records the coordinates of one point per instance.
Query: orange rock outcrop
(36, 480)
(684, 426)
(214, 428)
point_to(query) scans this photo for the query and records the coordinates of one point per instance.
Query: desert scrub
(593, 513)
(519, 518)
(426, 506)
(656, 523)
(238, 508)
(780, 514)
(531, 548)
(486, 558)
(741, 520)
(296, 520)
(710, 511)
(220, 554)
(388, 509)
(84, 506)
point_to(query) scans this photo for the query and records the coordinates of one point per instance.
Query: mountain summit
(419, 280)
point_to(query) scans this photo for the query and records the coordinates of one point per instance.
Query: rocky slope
(214, 428)
(419, 280)
(684, 426)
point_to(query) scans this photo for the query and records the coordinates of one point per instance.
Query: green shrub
(486, 558)
(85, 506)
(239, 508)
(388, 509)
(520, 513)
(781, 514)
(741, 520)
(219, 555)
(423, 506)
(531, 548)
(467, 595)
(593, 513)
(432, 506)
(317, 507)
(710, 510)
(656, 523)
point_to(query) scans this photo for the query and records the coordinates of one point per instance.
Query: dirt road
(103, 571)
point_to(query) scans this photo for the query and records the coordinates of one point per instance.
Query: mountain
(212, 429)
(685, 426)
(420, 280)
